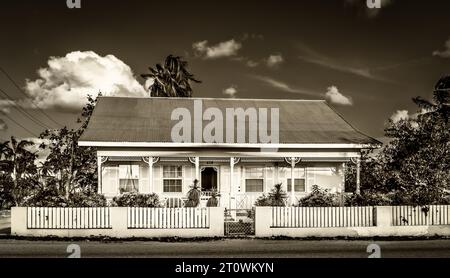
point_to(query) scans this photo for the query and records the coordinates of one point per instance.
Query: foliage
(368, 198)
(18, 168)
(171, 80)
(276, 198)
(137, 200)
(193, 196)
(71, 167)
(319, 198)
(213, 201)
(416, 162)
(6, 184)
(263, 201)
(414, 167)
(87, 199)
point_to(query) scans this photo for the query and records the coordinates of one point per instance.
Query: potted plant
(213, 201)
(193, 196)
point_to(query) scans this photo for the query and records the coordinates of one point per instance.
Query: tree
(171, 80)
(70, 167)
(414, 167)
(18, 168)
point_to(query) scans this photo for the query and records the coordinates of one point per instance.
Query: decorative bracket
(146, 159)
(103, 159)
(296, 161)
(355, 160)
(236, 160)
(192, 160)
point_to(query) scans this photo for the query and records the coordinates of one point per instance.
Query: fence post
(119, 222)
(383, 216)
(263, 220)
(216, 221)
(18, 221)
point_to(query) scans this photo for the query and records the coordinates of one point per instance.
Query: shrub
(87, 199)
(276, 198)
(137, 200)
(319, 198)
(48, 196)
(263, 201)
(369, 198)
(193, 196)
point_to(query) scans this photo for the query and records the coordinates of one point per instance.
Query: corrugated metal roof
(148, 120)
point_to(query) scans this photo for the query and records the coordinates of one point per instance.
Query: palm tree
(441, 99)
(171, 80)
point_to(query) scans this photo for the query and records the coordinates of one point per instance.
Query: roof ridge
(210, 98)
(347, 122)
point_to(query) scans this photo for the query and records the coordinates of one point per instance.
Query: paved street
(230, 248)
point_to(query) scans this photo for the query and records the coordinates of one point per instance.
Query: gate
(239, 222)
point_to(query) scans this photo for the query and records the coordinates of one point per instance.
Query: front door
(209, 180)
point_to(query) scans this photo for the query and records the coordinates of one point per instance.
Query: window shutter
(157, 179)
(269, 181)
(188, 178)
(225, 179)
(110, 180)
(144, 186)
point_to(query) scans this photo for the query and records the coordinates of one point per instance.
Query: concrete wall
(119, 227)
(383, 228)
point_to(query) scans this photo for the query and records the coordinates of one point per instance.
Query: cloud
(5, 106)
(313, 57)
(67, 81)
(274, 60)
(363, 8)
(284, 86)
(223, 49)
(252, 64)
(445, 53)
(335, 97)
(247, 36)
(400, 115)
(3, 125)
(231, 91)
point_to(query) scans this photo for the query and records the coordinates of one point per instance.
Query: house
(240, 148)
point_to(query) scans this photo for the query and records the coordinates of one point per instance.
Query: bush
(368, 198)
(276, 198)
(51, 197)
(137, 200)
(263, 201)
(46, 197)
(319, 198)
(88, 199)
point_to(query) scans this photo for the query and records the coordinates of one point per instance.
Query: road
(228, 248)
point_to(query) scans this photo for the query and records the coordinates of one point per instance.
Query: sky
(367, 63)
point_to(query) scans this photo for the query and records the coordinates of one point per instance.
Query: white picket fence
(421, 216)
(69, 218)
(168, 218)
(322, 217)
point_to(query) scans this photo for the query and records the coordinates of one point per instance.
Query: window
(254, 179)
(128, 178)
(299, 180)
(300, 185)
(172, 179)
